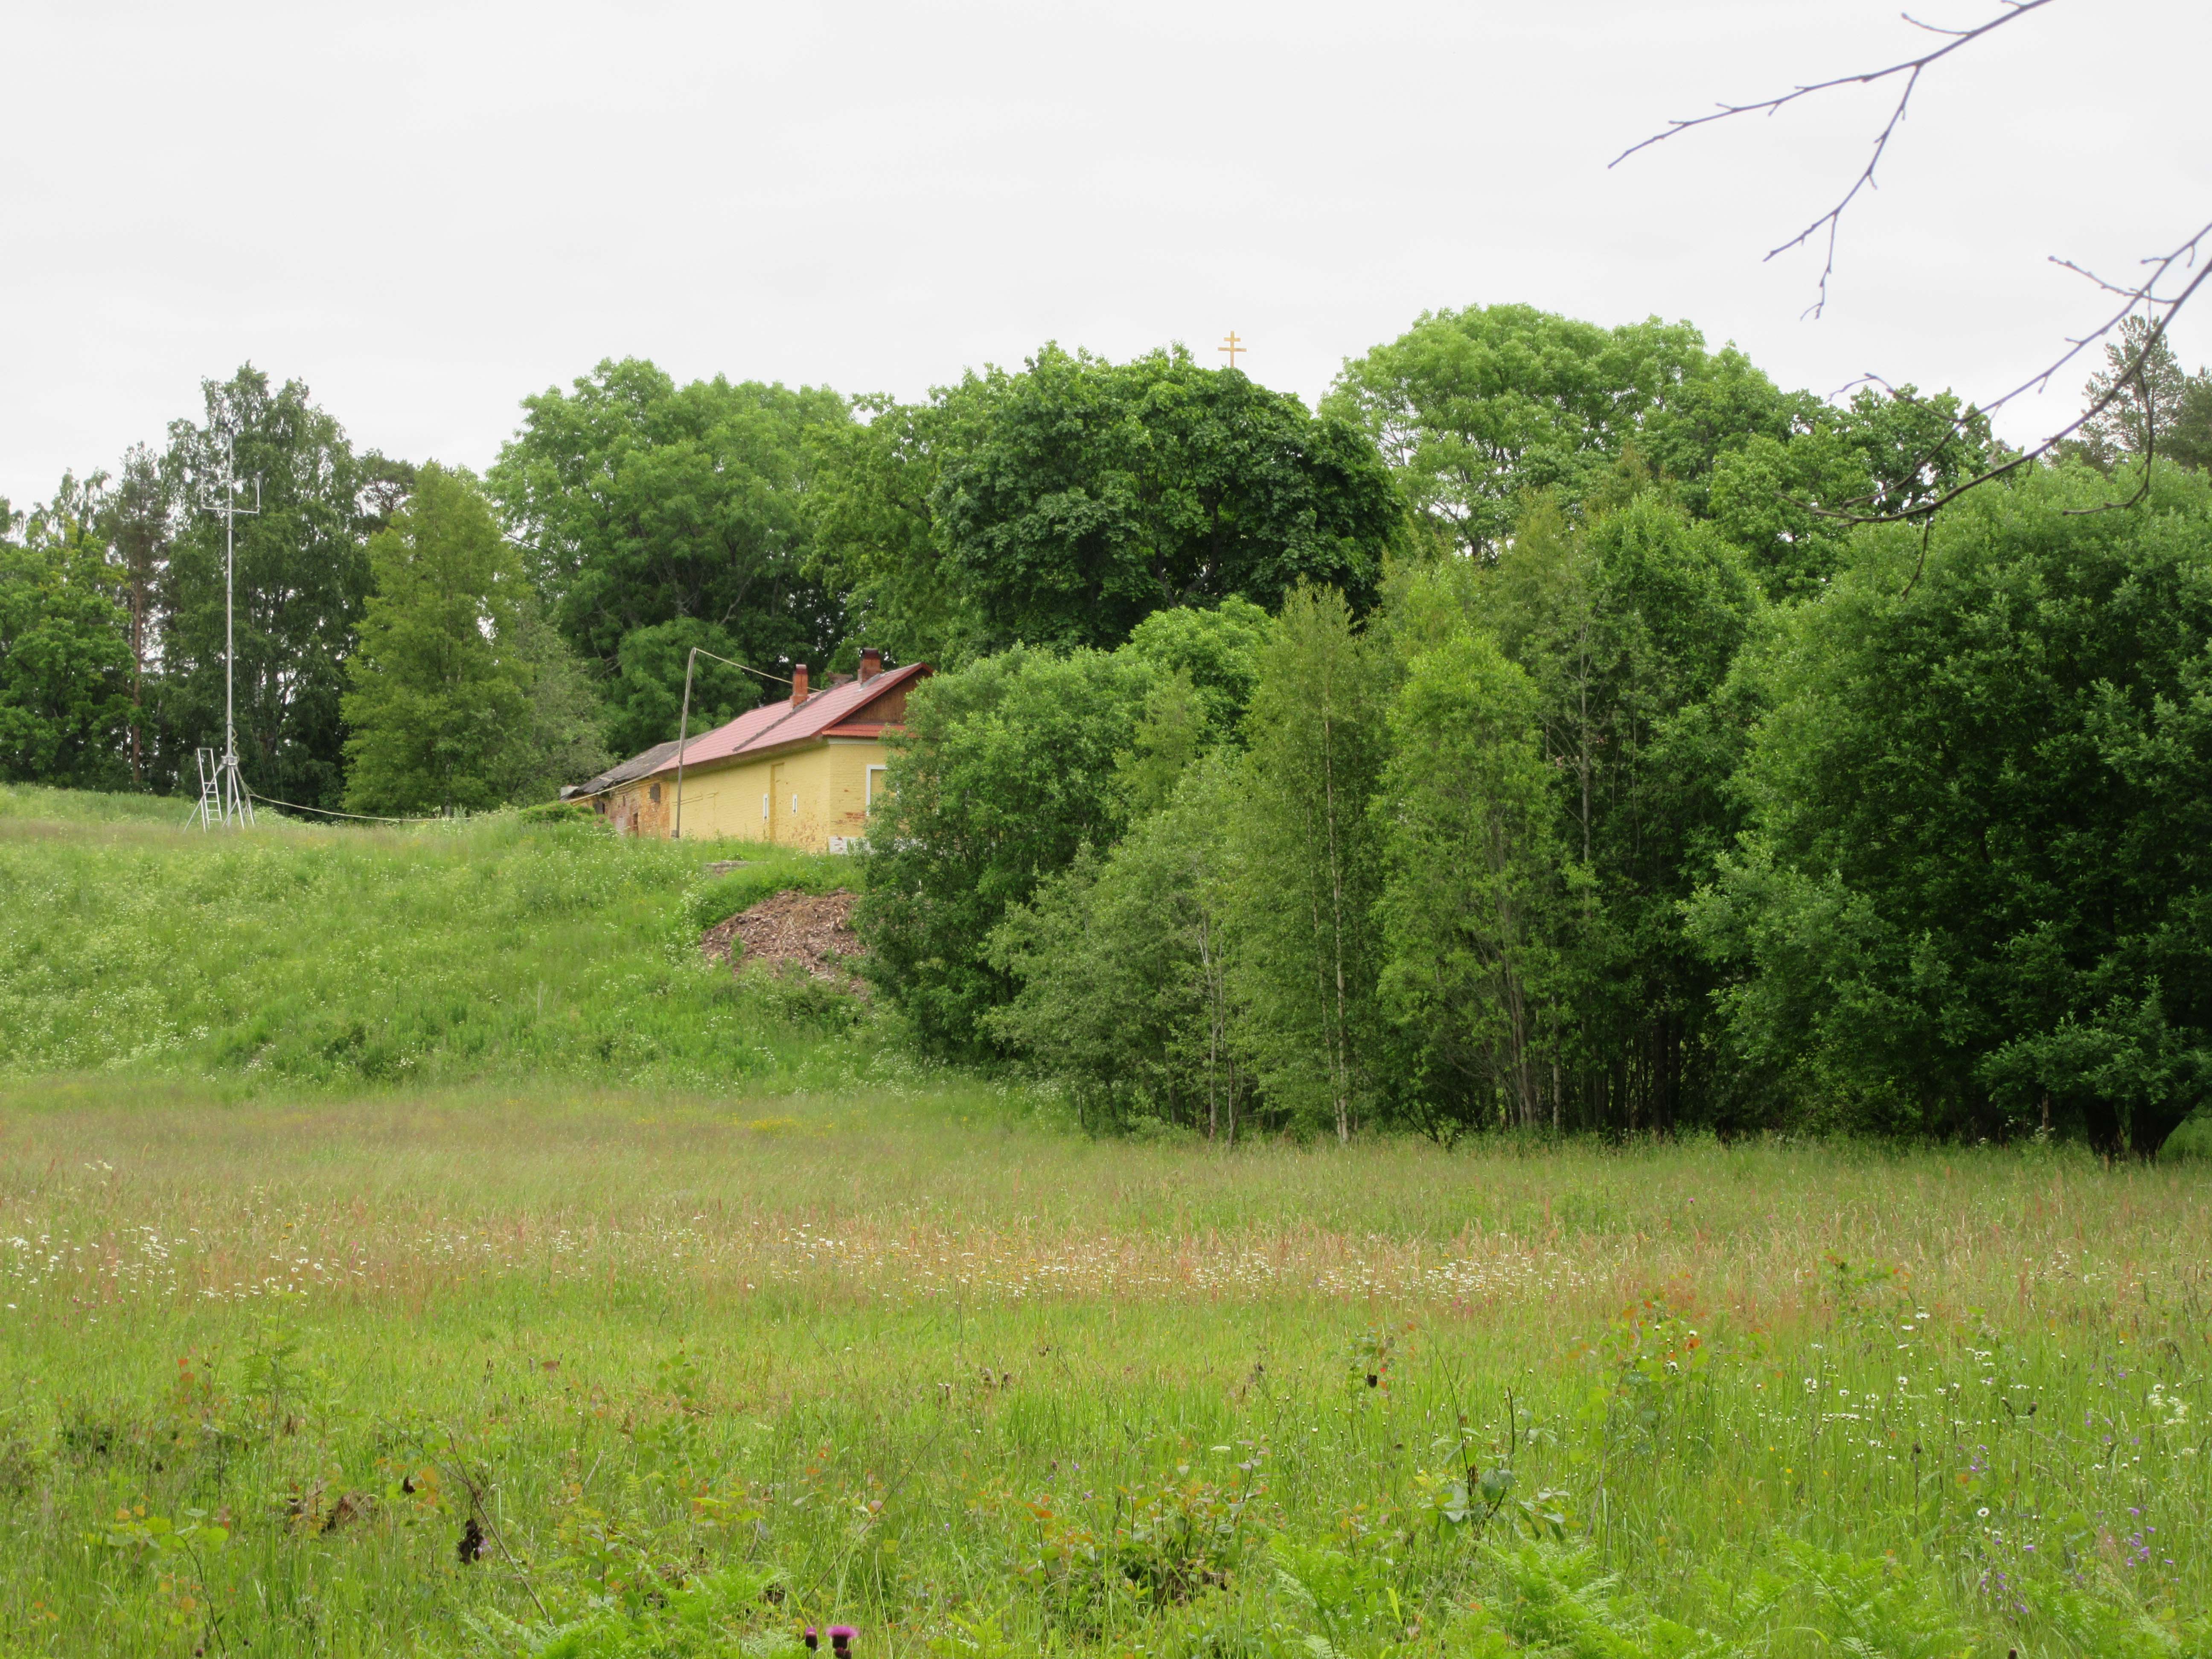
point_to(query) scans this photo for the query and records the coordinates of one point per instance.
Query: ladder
(224, 797)
(209, 811)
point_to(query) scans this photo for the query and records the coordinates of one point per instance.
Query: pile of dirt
(813, 931)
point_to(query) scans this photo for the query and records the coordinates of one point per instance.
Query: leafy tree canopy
(64, 657)
(643, 505)
(1976, 885)
(439, 704)
(1471, 409)
(1791, 502)
(1092, 494)
(1480, 410)
(2160, 407)
(875, 528)
(1006, 770)
(1063, 504)
(302, 576)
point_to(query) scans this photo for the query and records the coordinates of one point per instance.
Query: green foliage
(1006, 768)
(875, 527)
(1208, 663)
(2160, 409)
(64, 660)
(1472, 408)
(1123, 965)
(707, 1616)
(1628, 625)
(563, 740)
(302, 578)
(439, 706)
(676, 511)
(1305, 848)
(1472, 908)
(1874, 1606)
(1974, 887)
(1777, 499)
(1063, 504)
(1217, 649)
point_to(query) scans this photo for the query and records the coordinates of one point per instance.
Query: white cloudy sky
(427, 211)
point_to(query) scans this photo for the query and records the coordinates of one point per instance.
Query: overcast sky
(428, 212)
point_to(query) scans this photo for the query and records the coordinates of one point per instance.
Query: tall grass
(407, 1245)
(309, 955)
(979, 1386)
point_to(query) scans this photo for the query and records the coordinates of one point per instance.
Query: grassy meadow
(681, 1314)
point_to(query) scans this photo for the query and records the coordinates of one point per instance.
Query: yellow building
(803, 772)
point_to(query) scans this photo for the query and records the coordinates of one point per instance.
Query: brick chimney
(871, 664)
(797, 683)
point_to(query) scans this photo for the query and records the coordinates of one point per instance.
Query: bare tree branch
(2161, 309)
(2145, 296)
(1912, 69)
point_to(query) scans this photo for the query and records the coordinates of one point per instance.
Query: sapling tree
(1307, 863)
(1475, 893)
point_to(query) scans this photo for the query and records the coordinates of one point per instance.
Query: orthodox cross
(1232, 346)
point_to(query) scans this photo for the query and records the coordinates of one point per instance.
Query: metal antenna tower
(224, 797)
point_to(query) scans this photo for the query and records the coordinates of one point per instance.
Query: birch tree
(1307, 870)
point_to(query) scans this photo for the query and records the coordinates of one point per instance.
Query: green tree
(1474, 408)
(2160, 406)
(1975, 892)
(1308, 866)
(566, 740)
(1086, 494)
(302, 577)
(1006, 768)
(875, 529)
(1626, 625)
(1790, 504)
(1208, 663)
(643, 505)
(64, 658)
(1063, 504)
(439, 705)
(137, 521)
(1216, 648)
(1472, 906)
(1123, 965)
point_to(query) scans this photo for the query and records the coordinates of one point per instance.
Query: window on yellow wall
(873, 784)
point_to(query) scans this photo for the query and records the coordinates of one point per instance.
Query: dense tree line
(1523, 738)
(1635, 795)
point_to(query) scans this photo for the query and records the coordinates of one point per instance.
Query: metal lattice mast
(224, 793)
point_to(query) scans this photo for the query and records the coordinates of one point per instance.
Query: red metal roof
(774, 725)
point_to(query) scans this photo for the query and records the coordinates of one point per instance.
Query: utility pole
(224, 797)
(683, 726)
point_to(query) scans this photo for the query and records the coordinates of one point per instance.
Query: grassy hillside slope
(349, 956)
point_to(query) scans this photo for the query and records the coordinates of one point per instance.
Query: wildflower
(840, 1639)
